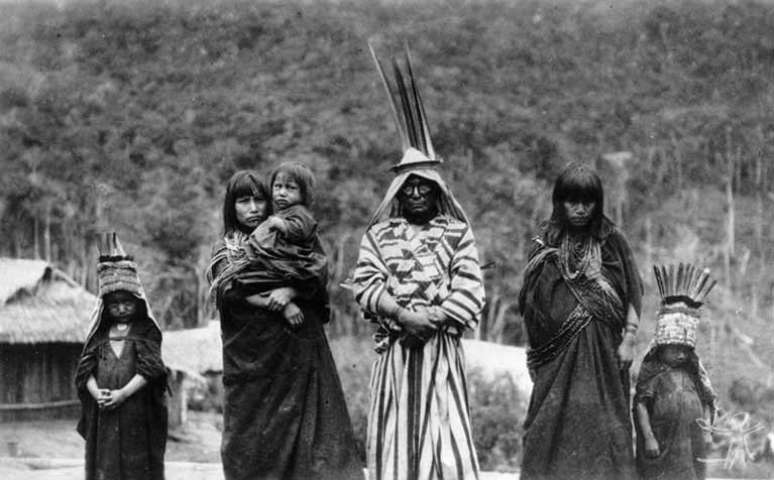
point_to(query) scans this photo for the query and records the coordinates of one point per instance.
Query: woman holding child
(284, 415)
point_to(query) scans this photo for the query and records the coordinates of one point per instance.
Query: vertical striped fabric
(419, 423)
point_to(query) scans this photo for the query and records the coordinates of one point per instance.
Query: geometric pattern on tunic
(419, 420)
(437, 265)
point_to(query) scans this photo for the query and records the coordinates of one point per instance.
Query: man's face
(579, 212)
(418, 196)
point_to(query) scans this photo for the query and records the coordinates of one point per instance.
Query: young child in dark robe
(673, 393)
(285, 247)
(121, 379)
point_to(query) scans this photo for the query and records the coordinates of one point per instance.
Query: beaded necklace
(580, 256)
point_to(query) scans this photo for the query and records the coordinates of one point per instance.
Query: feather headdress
(408, 113)
(683, 283)
(116, 270)
(419, 157)
(683, 289)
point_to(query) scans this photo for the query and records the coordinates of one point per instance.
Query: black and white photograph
(386, 239)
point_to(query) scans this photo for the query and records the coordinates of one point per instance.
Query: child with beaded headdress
(673, 388)
(120, 377)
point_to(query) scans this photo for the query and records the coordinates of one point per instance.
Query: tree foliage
(132, 115)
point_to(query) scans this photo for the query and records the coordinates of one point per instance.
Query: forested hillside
(132, 115)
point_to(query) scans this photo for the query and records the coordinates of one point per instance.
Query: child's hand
(651, 448)
(276, 223)
(116, 398)
(293, 314)
(101, 395)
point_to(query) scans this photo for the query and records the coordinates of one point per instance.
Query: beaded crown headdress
(408, 113)
(116, 270)
(683, 289)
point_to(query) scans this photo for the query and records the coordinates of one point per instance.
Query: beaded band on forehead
(676, 328)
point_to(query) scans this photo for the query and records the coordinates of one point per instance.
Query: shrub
(497, 415)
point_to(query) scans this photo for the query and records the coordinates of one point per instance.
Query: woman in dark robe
(285, 416)
(580, 299)
(121, 379)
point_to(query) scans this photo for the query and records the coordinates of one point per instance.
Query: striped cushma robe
(419, 423)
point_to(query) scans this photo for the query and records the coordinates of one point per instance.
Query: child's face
(250, 210)
(121, 306)
(285, 191)
(674, 355)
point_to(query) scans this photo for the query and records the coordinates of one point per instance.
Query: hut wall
(36, 381)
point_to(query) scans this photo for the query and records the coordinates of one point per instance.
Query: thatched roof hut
(195, 358)
(44, 317)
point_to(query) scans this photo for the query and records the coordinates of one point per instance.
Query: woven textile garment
(285, 415)
(419, 423)
(675, 398)
(127, 442)
(266, 259)
(578, 424)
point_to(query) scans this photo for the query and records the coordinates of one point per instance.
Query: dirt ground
(198, 442)
(70, 470)
(53, 450)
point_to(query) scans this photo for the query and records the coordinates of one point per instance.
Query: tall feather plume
(399, 123)
(421, 114)
(406, 105)
(405, 101)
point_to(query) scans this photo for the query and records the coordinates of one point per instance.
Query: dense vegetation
(132, 115)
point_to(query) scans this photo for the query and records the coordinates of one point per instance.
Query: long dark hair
(242, 183)
(577, 183)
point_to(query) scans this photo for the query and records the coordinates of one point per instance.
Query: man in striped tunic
(418, 279)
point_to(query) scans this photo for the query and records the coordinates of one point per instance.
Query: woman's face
(285, 191)
(579, 212)
(250, 210)
(674, 355)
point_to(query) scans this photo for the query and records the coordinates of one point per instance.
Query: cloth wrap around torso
(578, 423)
(128, 442)
(285, 415)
